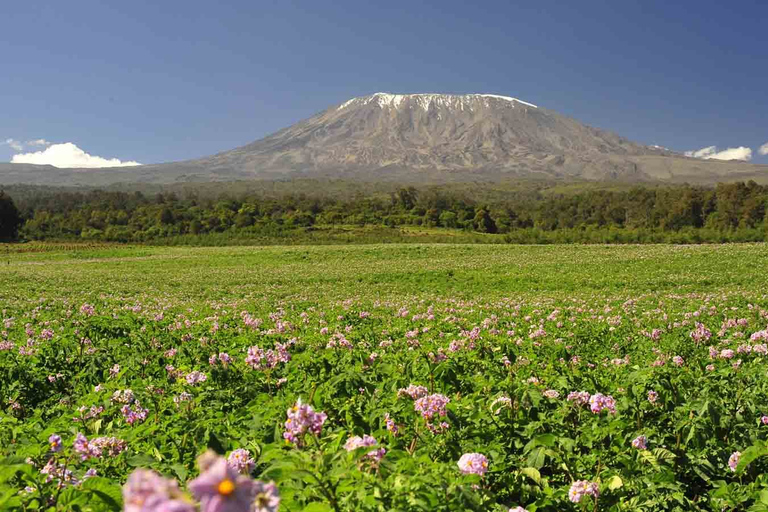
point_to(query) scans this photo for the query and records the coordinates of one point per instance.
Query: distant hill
(422, 138)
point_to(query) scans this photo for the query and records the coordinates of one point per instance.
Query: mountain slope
(426, 138)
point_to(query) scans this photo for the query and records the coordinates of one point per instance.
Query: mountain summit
(437, 138)
(483, 134)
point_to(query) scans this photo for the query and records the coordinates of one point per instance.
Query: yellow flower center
(226, 487)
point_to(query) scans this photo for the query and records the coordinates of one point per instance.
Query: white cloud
(711, 153)
(68, 155)
(38, 142)
(15, 145)
(763, 149)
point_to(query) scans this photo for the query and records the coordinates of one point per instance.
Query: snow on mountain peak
(423, 101)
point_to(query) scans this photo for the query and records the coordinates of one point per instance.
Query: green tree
(483, 222)
(10, 218)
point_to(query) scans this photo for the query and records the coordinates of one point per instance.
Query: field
(384, 377)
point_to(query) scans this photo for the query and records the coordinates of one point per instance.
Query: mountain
(413, 138)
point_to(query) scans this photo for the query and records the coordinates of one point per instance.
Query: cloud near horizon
(67, 155)
(711, 153)
(763, 149)
(14, 144)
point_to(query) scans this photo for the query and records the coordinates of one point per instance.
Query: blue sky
(154, 81)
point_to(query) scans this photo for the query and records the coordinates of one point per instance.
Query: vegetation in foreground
(385, 378)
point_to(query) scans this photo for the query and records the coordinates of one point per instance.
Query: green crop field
(384, 377)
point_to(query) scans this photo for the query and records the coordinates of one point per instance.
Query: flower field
(378, 378)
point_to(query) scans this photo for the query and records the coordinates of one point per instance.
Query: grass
(314, 272)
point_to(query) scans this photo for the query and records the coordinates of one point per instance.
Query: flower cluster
(219, 488)
(145, 491)
(260, 359)
(241, 461)
(413, 391)
(473, 464)
(578, 397)
(599, 402)
(581, 488)
(355, 442)
(432, 405)
(733, 460)
(195, 377)
(134, 413)
(302, 418)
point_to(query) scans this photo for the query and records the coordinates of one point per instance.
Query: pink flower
(221, 489)
(85, 449)
(579, 397)
(764, 420)
(733, 460)
(599, 402)
(432, 405)
(355, 442)
(518, 509)
(413, 391)
(473, 464)
(581, 488)
(679, 361)
(302, 418)
(391, 425)
(240, 460)
(196, 377)
(54, 441)
(653, 396)
(147, 491)
(640, 442)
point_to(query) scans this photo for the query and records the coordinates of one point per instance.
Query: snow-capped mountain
(436, 138)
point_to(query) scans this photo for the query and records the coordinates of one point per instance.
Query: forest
(533, 214)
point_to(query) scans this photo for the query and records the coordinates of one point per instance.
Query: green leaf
(104, 491)
(749, 455)
(615, 482)
(532, 473)
(537, 457)
(317, 506)
(181, 471)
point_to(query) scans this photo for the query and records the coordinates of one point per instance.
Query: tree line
(119, 216)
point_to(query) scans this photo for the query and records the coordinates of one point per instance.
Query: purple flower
(145, 490)
(432, 405)
(55, 443)
(473, 464)
(733, 460)
(159, 503)
(653, 396)
(413, 391)
(356, 442)
(598, 402)
(640, 442)
(240, 460)
(394, 429)
(579, 397)
(302, 418)
(221, 489)
(581, 488)
(85, 449)
(134, 414)
(266, 497)
(196, 377)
